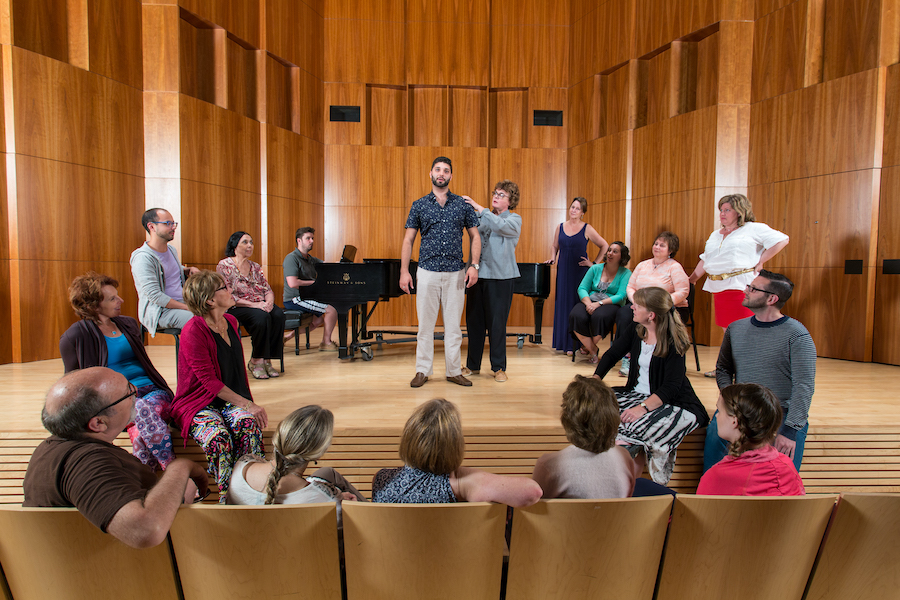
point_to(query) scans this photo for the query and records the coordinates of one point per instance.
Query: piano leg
(538, 319)
(344, 350)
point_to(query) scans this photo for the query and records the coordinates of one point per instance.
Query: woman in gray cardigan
(489, 300)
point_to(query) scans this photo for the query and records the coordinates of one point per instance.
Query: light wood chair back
(861, 556)
(739, 547)
(413, 551)
(258, 551)
(57, 553)
(587, 548)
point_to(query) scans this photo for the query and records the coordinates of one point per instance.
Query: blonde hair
(741, 205)
(199, 289)
(303, 436)
(670, 330)
(432, 439)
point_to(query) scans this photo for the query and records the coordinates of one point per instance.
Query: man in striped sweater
(772, 350)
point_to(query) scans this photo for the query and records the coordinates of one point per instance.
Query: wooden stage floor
(854, 441)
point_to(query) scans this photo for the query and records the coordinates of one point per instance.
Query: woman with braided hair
(301, 438)
(749, 417)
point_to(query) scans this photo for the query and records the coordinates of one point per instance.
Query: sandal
(258, 370)
(710, 374)
(270, 370)
(594, 359)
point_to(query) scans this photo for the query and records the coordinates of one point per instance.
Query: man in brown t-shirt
(79, 466)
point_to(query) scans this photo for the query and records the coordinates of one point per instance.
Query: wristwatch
(476, 265)
(644, 406)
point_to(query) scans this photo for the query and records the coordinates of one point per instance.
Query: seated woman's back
(432, 448)
(250, 478)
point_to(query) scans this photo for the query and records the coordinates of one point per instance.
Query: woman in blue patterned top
(432, 448)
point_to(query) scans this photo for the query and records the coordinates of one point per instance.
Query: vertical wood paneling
(624, 109)
(658, 23)
(115, 40)
(160, 36)
(851, 37)
(428, 116)
(509, 118)
(197, 61)
(530, 12)
(465, 62)
(708, 79)
(239, 18)
(779, 44)
(585, 120)
(203, 238)
(887, 287)
(375, 53)
(529, 56)
(468, 116)
(295, 33)
(546, 136)
(345, 94)
(308, 105)
(539, 173)
(241, 79)
(379, 180)
(296, 166)
(41, 26)
(386, 118)
(278, 93)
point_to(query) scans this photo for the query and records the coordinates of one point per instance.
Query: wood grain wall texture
(73, 115)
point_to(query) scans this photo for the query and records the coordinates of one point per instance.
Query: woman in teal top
(602, 292)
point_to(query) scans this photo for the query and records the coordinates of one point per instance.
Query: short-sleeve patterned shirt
(441, 228)
(252, 287)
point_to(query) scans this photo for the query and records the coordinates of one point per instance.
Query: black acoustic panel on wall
(548, 118)
(891, 266)
(347, 114)
(853, 267)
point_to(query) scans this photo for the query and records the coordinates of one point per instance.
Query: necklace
(110, 326)
(220, 329)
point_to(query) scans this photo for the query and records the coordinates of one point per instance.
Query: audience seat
(861, 555)
(414, 551)
(742, 548)
(587, 548)
(257, 551)
(57, 553)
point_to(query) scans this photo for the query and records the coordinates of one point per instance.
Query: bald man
(79, 465)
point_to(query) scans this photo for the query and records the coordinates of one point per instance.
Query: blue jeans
(716, 448)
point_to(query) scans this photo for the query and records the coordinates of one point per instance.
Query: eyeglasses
(499, 194)
(756, 289)
(224, 287)
(132, 391)
(166, 223)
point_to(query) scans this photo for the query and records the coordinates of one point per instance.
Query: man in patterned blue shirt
(442, 275)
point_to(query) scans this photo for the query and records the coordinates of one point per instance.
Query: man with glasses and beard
(442, 276)
(773, 350)
(79, 465)
(158, 276)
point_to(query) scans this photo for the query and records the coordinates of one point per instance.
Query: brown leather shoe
(467, 371)
(500, 376)
(459, 380)
(419, 380)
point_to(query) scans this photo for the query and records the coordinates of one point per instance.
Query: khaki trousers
(439, 292)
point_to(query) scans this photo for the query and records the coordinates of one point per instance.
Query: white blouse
(741, 249)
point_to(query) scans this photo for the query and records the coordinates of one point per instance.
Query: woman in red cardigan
(749, 417)
(213, 401)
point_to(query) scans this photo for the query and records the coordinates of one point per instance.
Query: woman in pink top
(662, 271)
(749, 417)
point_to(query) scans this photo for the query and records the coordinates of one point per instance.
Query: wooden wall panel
(71, 115)
(296, 166)
(58, 199)
(827, 128)
(378, 181)
(623, 107)
(676, 155)
(285, 216)
(241, 79)
(662, 84)
(529, 56)
(891, 147)
(41, 26)
(887, 287)
(470, 171)
(540, 98)
(239, 18)
(732, 145)
(764, 7)
(539, 173)
(585, 120)
(387, 112)
(470, 11)
(468, 116)
(598, 171)
(708, 79)
(161, 27)
(429, 113)
(684, 213)
(218, 146)
(345, 94)
(658, 23)
(308, 104)
(509, 120)
(295, 32)
(529, 12)
(197, 61)
(615, 42)
(375, 53)
(851, 36)
(465, 62)
(779, 51)
(376, 231)
(6, 341)
(46, 315)
(376, 10)
(582, 47)
(210, 214)
(115, 40)
(279, 110)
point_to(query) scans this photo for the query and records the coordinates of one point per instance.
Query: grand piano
(350, 287)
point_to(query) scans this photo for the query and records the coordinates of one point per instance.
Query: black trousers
(600, 323)
(266, 329)
(487, 310)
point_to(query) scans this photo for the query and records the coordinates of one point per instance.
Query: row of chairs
(814, 547)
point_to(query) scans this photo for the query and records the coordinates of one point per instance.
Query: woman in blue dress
(569, 252)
